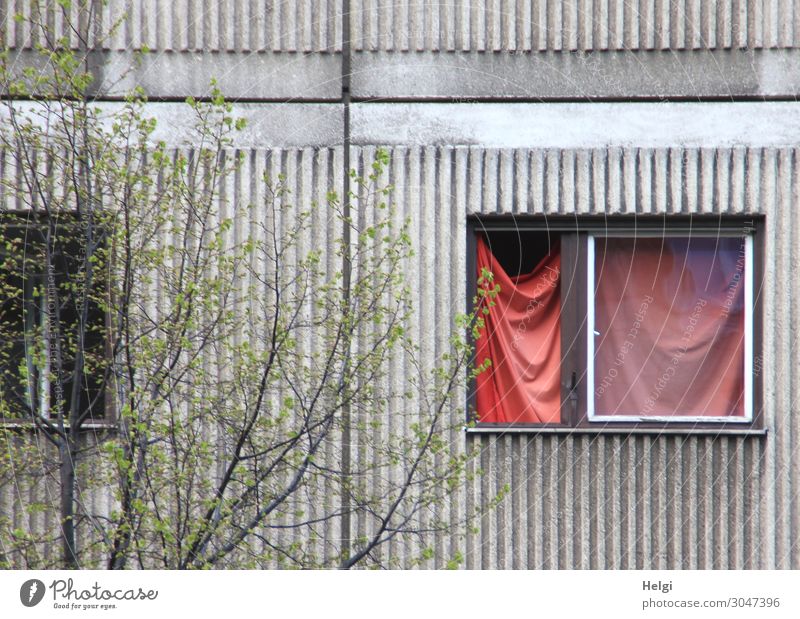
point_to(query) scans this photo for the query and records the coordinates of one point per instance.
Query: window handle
(573, 394)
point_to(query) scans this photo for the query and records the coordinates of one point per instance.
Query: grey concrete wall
(488, 49)
(256, 49)
(603, 501)
(302, 142)
(588, 501)
(545, 49)
(656, 75)
(573, 25)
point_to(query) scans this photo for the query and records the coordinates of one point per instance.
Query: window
(31, 337)
(620, 324)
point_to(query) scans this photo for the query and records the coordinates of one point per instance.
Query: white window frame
(591, 414)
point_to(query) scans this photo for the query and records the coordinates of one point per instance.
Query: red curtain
(669, 326)
(522, 337)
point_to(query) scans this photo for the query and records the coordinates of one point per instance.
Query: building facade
(532, 108)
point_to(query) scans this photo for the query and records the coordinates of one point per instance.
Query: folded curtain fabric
(522, 338)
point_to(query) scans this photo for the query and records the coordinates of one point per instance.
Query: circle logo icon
(31, 592)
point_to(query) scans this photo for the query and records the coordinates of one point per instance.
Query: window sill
(507, 429)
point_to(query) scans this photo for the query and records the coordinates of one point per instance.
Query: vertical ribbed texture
(575, 501)
(647, 502)
(311, 172)
(185, 25)
(414, 25)
(573, 25)
(422, 186)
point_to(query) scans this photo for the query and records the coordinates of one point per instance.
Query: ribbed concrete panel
(312, 172)
(612, 181)
(602, 501)
(282, 126)
(421, 187)
(182, 25)
(24, 33)
(574, 501)
(254, 49)
(27, 488)
(304, 143)
(572, 25)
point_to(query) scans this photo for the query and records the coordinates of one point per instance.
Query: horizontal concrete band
(548, 75)
(251, 75)
(460, 75)
(563, 126)
(578, 125)
(268, 125)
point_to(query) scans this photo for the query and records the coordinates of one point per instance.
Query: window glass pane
(14, 322)
(27, 387)
(669, 326)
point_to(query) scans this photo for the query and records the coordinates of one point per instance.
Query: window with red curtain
(614, 323)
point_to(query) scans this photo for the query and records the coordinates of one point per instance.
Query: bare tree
(228, 379)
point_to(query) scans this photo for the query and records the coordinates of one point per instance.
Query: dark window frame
(574, 231)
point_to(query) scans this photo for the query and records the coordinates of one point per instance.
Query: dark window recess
(519, 251)
(29, 383)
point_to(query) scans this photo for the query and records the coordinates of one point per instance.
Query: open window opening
(522, 334)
